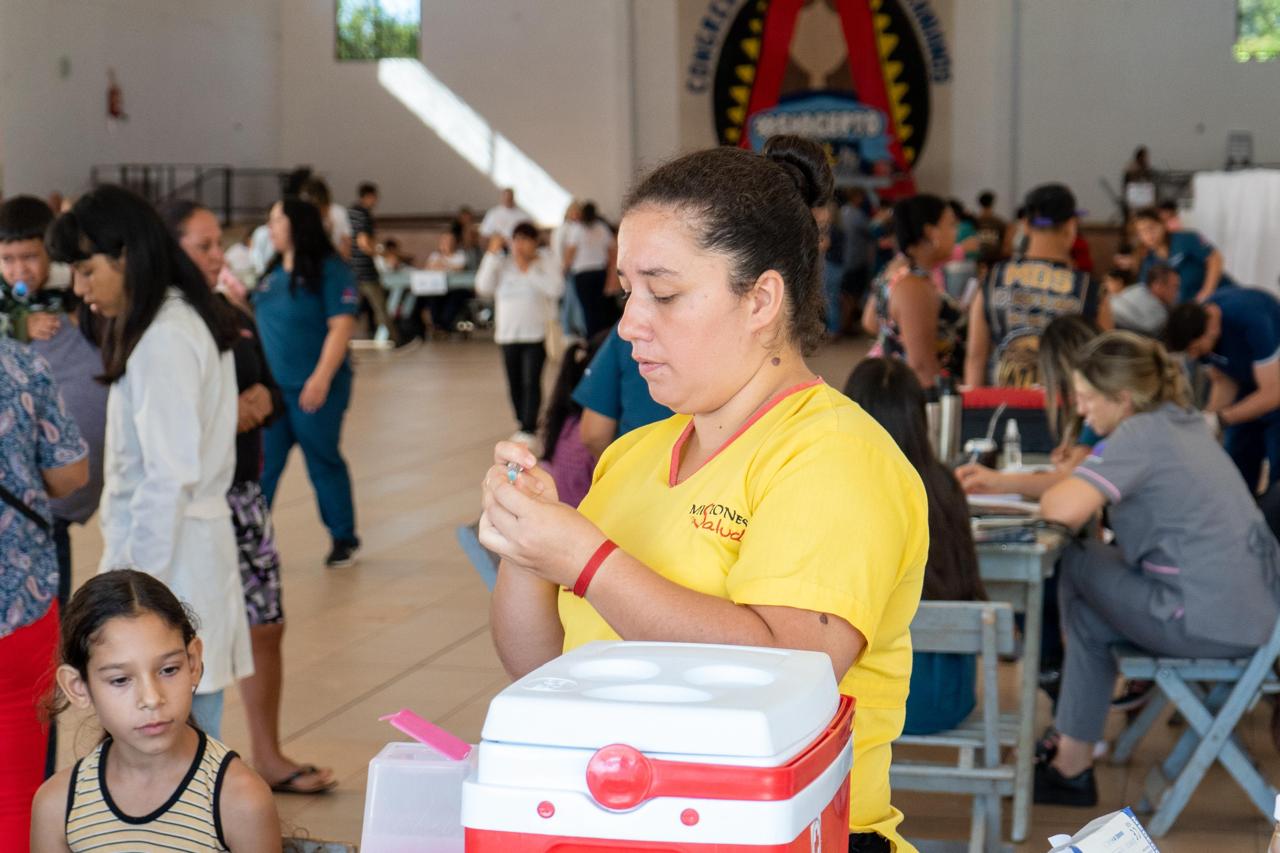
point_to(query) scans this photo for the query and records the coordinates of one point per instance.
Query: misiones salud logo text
(719, 519)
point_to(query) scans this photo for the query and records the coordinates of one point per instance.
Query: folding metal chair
(1212, 695)
(985, 629)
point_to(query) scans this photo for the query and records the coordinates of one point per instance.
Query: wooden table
(1016, 572)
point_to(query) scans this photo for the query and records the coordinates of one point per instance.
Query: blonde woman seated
(1195, 570)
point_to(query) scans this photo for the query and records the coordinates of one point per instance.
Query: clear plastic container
(413, 801)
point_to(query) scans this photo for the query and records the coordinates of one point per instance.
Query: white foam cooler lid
(670, 698)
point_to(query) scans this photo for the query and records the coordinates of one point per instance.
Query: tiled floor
(408, 626)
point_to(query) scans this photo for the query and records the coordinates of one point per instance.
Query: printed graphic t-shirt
(1023, 296)
(811, 506)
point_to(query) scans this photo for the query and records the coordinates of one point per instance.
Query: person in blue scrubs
(1236, 333)
(306, 305)
(614, 396)
(1199, 264)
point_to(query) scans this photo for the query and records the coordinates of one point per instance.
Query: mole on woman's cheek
(822, 617)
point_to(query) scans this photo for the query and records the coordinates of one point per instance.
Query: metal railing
(235, 193)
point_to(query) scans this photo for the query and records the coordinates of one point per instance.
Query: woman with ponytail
(1195, 569)
(771, 510)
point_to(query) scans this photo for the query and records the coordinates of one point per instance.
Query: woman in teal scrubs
(306, 305)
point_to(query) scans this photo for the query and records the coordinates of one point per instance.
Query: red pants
(26, 676)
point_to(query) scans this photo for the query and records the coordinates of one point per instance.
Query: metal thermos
(932, 416)
(950, 409)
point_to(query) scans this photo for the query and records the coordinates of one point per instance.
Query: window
(378, 29)
(1257, 30)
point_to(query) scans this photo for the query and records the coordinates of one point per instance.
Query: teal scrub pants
(318, 434)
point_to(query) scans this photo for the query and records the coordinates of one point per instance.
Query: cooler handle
(621, 777)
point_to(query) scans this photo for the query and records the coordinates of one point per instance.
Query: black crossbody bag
(21, 506)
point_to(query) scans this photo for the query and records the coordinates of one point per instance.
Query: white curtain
(1239, 212)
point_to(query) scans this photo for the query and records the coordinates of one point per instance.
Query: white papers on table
(1003, 504)
(429, 282)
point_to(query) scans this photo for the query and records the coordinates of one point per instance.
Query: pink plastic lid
(427, 732)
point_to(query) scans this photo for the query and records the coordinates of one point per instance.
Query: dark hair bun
(806, 163)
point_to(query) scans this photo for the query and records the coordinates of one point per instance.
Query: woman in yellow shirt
(772, 511)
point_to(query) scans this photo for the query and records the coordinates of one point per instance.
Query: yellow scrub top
(810, 505)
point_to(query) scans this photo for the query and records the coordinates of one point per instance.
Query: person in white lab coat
(171, 420)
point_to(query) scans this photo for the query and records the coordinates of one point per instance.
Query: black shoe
(343, 553)
(1054, 789)
(1136, 694)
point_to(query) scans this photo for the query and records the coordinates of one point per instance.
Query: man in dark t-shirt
(363, 248)
(1021, 296)
(1236, 333)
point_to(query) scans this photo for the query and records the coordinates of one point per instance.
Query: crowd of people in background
(164, 382)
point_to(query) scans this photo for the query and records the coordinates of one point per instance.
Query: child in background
(129, 653)
(567, 459)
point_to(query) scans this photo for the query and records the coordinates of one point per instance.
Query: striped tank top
(188, 821)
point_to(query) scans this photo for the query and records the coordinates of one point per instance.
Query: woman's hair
(1061, 343)
(115, 222)
(122, 593)
(1123, 361)
(1121, 275)
(889, 391)
(175, 214)
(757, 211)
(311, 245)
(911, 215)
(525, 229)
(1152, 213)
(316, 191)
(561, 406)
(589, 213)
(958, 208)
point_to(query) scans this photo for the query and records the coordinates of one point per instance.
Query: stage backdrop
(861, 77)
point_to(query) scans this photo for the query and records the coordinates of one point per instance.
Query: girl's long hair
(889, 391)
(561, 407)
(311, 245)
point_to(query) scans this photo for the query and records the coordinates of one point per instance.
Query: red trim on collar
(674, 471)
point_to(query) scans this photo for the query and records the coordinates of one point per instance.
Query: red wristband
(593, 565)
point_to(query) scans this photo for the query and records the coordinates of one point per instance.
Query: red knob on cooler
(619, 776)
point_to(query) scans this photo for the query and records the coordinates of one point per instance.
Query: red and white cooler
(665, 747)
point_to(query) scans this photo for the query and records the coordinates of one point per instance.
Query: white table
(1238, 212)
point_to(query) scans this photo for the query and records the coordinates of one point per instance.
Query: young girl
(130, 654)
(523, 286)
(942, 685)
